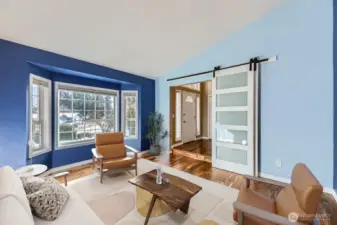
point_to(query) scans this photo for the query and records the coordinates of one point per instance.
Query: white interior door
(233, 145)
(189, 117)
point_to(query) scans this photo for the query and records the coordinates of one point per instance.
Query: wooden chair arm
(133, 150)
(62, 174)
(262, 214)
(263, 180)
(96, 154)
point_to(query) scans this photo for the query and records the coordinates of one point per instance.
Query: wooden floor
(204, 169)
(200, 150)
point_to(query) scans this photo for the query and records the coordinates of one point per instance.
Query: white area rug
(214, 202)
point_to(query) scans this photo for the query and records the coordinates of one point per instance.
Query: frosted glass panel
(232, 81)
(231, 155)
(232, 99)
(231, 136)
(238, 118)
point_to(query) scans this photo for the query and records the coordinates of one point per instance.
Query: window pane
(65, 94)
(99, 105)
(89, 105)
(65, 105)
(105, 125)
(36, 135)
(109, 98)
(66, 136)
(109, 115)
(131, 128)
(78, 105)
(89, 134)
(35, 108)
(100, 98)
(78, 130)
(78, 115)
(78, 95)
(89, 96)
(99, 115)
(35, 90)
(65, 118)
(89, 115)
(109, 105)
(66, 127)
(90, 125)
(131, 113)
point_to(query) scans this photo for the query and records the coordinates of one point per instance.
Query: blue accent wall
(17, 62)
(296, 91)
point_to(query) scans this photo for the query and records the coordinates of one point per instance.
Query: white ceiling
(147, 37)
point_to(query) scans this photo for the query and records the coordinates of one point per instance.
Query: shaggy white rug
(214, 202)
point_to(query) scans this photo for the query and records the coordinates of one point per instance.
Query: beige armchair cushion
(111, 145)
(118, 162)
(258, 200)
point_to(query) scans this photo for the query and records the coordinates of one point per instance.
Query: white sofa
(15, 209)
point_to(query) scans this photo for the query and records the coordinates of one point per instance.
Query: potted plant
(156, 132)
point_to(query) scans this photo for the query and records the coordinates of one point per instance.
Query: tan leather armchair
(110, 153)
(302, 196)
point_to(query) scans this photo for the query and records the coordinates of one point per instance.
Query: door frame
(172, 125)
(209, 111)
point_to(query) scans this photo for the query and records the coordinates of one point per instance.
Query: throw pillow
(49, 201)
(31, 184)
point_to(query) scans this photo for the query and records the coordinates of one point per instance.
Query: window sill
(38, 152)
(74, 145)
(130, 138)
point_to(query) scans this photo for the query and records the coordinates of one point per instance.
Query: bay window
(82, 112)
(130, 114)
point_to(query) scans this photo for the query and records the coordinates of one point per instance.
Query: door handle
(184, 121)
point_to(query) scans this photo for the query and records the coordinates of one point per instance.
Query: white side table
(31, 170)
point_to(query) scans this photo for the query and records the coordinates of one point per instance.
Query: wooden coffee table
(177, 193)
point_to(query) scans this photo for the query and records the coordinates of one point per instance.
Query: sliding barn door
(233, 104)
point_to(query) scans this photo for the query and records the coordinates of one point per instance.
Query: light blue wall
(297, 90)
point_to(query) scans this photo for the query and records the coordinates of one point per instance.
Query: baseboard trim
(66, 167)
(200, 138)
(175, 145)
(286, 180)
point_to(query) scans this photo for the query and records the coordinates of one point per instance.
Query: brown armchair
(302, 196)
(110, 153)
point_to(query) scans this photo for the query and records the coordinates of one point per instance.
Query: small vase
(159, 178)
(154, 150)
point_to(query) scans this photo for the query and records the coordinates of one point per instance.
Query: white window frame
(48, 148)
(123, 113)
(85, 89)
